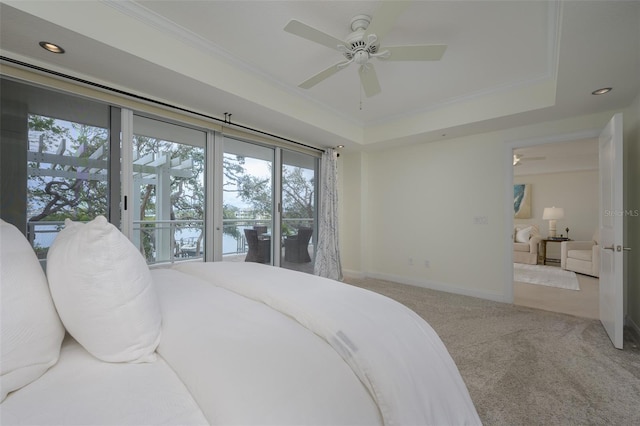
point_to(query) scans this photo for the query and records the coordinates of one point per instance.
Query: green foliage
(51, 195)
(73, 189)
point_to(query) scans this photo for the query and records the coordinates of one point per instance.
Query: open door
(611, 228)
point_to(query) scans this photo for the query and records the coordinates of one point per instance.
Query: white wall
(421, 202)
(350, 223)
(575, 192)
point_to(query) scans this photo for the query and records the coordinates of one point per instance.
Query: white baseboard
(353, 274)
(449, 288)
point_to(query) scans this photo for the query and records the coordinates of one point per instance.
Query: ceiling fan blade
(369, 80)
(425, 52)
(312, 34)
(385, 18)
(322, 75)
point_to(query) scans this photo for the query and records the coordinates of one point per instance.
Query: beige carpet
(525, 366)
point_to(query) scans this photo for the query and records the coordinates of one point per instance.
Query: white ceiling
(508, 63)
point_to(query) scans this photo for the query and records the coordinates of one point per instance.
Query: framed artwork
(522, 201)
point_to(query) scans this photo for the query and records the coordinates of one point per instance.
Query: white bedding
(395, 354)
(245, 363)
(82, 390)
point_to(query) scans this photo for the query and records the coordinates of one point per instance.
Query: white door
(611, 220)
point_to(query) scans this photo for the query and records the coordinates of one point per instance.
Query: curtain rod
(225, 121)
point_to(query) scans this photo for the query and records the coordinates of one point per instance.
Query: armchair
(581, 256)
(526, 239)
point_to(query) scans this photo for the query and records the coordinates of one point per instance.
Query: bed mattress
(395, 358)
(82, 390)
(248, 364)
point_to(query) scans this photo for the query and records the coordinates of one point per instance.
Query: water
(45, 234)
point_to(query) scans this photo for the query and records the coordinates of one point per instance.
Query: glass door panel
(168, 190)
(67, 177)
(247, 202)
(298, 219)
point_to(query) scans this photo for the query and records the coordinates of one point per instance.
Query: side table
(542, 253)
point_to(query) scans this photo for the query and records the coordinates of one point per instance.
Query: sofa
(526, 239)
(103, 339)
(581, 256)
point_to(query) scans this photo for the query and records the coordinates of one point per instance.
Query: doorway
(559, 172)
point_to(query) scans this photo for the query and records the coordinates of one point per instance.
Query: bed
(223, 343)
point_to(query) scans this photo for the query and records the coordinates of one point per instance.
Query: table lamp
(552, 214)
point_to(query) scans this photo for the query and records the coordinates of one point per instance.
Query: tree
(186, 193)
(75, 185)
(53, 194)
(298, 193)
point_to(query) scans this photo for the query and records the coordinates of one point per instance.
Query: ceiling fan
(518, 158)
(363, 44)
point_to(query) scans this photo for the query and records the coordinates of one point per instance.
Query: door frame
(508, 191)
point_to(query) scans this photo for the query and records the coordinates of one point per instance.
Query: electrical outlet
(427, 264)
(480, 220)
(411, 261)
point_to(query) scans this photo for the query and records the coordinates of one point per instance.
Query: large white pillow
(523, 235)
(31, 330)
(104, 293)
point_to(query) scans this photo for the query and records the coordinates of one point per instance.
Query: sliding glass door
(248, 187)
(75, 158)
(254, 230)
(67, 176)
(55, 156)
(298, 217)
(168, 190)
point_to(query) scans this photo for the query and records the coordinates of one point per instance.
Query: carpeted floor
(525, 366)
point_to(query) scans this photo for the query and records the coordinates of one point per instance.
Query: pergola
(151, 169)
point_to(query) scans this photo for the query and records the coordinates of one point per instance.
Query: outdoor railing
(234, 229)
(41, 236)
(162, 241)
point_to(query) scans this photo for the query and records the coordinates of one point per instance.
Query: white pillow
(31, 330)
(104, 293)
(523, 235)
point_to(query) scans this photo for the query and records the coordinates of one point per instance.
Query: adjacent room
(320, 212)
(561, 179)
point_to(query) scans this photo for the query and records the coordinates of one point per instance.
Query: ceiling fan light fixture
(516, 159)
(602, 91)
(361, 57)
(51, 47)
(363, 44)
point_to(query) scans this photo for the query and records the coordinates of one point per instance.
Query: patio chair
(296, 246)
(259, 249)
(261, 229)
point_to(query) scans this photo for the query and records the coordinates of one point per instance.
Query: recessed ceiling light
(602, 91)
(51, 47)
(340, 146)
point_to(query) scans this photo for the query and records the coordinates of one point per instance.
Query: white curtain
(327, 262)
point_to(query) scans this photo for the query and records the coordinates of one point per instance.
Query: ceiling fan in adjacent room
(518, 159)
(363, 44)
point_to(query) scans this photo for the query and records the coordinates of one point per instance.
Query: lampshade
(551, 213)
